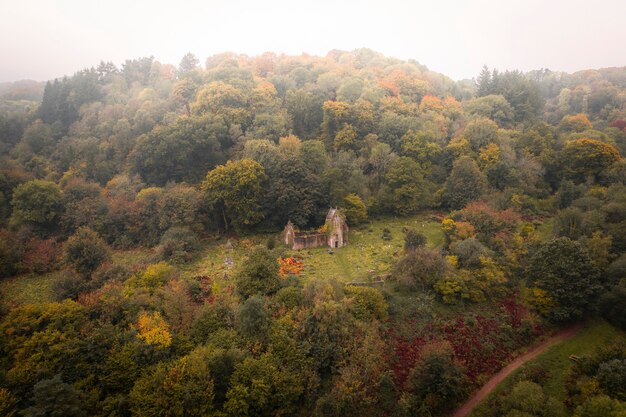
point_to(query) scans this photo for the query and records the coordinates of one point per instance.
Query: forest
(143, 271)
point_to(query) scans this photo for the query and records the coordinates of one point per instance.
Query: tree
(253, 319)
(223, 100)
(258, 273)
(413, 240)
(180, 151)
(355, 209)
(409, 191)
(178, 244)
(188, 63)
(295, 194)
(483, 83)
(494, 107)
(182, 388)
(345, 138)
(85, 251)
(153, 329)
(612, 378)
(582, 158)
(563, 269)
(575, 123)
(600, 406)
(421, 146)
(260, 387)
(38, 203)
(53, 397)
(528, 399)
(436, 383)
(236, 191)
(481, 132)
(465, 183)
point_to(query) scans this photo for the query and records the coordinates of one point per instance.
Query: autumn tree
(355, 209)
(85, 251)
(583, 158)
(235, 191)
(182, 388)
(261, 387)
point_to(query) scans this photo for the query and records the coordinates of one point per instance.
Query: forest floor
(552, 357)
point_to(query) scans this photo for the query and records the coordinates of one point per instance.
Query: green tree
(180, 151)
(85, 251)
(480, 132)
(465, 183)
(38, 203)
(253, 319)
(564, 269)
(600, 406)
(236, 191)
(612, 378)
(494, 107)
(528, 399)
(295, 194)
(413, 240)
(258, 273)
(53, 397)
(409, 191)
(436, 383)
(183, 388)
(260, 387)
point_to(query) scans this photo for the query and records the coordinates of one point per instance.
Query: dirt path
(486, 389)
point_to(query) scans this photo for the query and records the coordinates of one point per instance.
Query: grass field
(555, 361)
(366, 256)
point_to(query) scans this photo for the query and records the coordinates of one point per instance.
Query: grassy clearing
(555, 361)
(367, 256)
(32, 288)
(29, 288)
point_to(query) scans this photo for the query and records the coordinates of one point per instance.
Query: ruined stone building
(333, 234)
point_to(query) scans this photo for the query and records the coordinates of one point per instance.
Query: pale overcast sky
(43, 39)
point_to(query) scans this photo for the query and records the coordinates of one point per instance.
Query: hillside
(143, 269)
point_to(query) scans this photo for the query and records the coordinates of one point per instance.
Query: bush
(153, 277)
(420, 269)
(85, 251)
(289, 297)
(178, 244)
(414, 239)
(42, 255)
(469, 252)
(367, 303)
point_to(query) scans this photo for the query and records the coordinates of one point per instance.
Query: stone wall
(309, 240)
